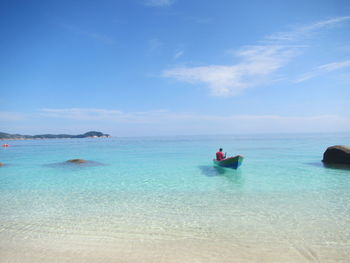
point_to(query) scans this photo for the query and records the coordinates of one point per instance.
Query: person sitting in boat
(220, 155)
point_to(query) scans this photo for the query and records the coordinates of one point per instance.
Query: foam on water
(161, 199)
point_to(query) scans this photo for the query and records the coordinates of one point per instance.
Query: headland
(90, 134)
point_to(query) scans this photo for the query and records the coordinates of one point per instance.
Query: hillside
(90, 134)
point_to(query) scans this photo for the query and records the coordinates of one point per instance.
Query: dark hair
(220, 150)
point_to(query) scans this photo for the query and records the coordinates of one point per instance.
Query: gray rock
(77, 161)
(337, 154)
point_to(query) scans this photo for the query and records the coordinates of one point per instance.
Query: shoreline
(115, 249)
(26, 139)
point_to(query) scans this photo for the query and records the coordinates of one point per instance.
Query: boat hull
(230, 162)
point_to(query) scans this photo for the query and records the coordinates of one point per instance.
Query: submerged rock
(74, 163)
(2, 164)
(338, 154)
(77, 161)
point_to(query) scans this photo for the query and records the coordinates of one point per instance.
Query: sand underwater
(160, 199)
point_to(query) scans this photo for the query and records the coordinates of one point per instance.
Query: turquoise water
(147, 197)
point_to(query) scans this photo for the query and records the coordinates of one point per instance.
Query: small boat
(230, 162)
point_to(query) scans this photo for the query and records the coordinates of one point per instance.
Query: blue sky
(167, 67)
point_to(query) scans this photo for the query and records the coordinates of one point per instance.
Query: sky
(174, 67)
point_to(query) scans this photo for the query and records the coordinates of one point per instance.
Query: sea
(161, 199)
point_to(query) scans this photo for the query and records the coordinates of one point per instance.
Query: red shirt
(219, 156)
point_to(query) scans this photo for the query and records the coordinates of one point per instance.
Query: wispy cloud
(178, 53)
(159, 3)
(258, 63)
(81, 113)
(320, 70)
(93, 114)
(11, 116)
(303, 31)
(168, 122)
(93, 35)
(155, 122)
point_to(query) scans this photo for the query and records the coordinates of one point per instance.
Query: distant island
(90, 134)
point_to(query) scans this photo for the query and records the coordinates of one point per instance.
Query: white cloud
(335, 66)
(178, 53)
(158, 116)
(257, 66)
(322, 70)
(159, 3)
(92, 114)
(157, 122)
(257, 62)
(304, 31)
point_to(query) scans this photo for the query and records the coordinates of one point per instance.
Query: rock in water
(2, 164)
(337, 154)
(77, 161)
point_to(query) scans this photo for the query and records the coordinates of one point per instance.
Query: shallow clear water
(159, 199)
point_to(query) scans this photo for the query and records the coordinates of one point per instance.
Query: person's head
(220, 150)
